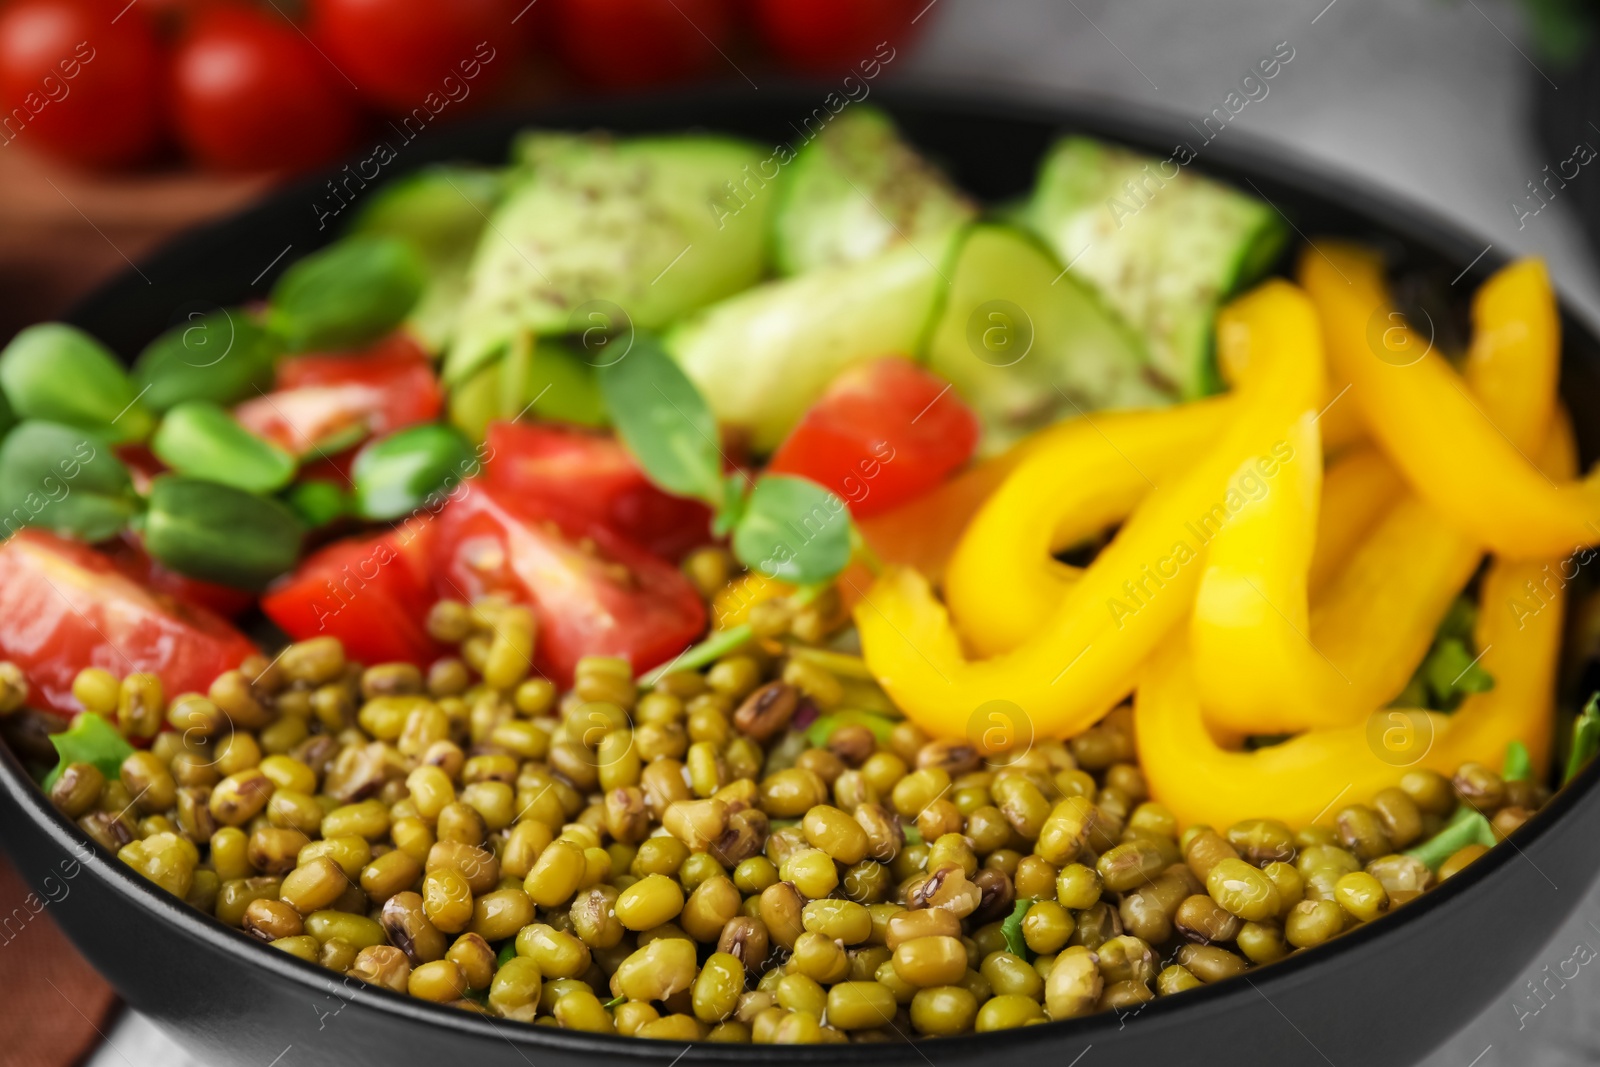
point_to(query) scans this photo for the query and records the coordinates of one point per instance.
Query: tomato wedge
(884, 433)
(327, 403)
(372, 593)
(591, 475)
(131, 559)
(65, 606)
(592, 591)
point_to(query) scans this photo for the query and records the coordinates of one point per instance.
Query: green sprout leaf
(350, 293)
(1011, 930)
(202, 440)
(822, 729)
(664, 422)
(1466, 827)
(1585, 739)
(65, 479)
(793, 530)
(90, 739)
(1518, 766)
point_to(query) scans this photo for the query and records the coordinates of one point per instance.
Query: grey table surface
(1432, 99)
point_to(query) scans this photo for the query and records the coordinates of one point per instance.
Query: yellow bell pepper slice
(1092, 474)
(1309, 777)
(1417, 409)
(1358, 489)
(1251, 620)
(1259, 666)
(1081, 658)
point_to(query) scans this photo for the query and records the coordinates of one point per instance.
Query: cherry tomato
(371, 593)
(835, 36)
(65, 606)
(401, 52)
(327, 403)
(131, 559)
(884, 433)
(80, 81)
(592, 592)
(628, 43)
(592, 475)
(249, 92)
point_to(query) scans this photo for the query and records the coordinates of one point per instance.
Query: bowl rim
(1242, 155)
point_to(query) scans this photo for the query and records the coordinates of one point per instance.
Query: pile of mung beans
(680, 861)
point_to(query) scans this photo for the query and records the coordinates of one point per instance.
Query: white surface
(1428, 97)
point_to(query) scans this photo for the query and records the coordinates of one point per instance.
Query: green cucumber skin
(762, 357)
(1082, 358)
(1163, 256)
(639, 223)
(858, 190)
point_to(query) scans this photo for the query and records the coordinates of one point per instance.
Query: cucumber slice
(1025, 344)
(636, 224)
(858, 190)
(441, 210)
(1162, 245)
(762, 357)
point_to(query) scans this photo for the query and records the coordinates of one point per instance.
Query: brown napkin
(54, 1009)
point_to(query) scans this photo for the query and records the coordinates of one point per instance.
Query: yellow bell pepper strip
(1092, 473)
(1256, 668)
(1310, 777)
(1079, 661)
(1358, 488)
(1432, 430)
(1251, 613)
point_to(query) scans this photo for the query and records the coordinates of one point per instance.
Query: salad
(666, 589)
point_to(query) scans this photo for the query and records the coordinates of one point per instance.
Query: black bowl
(1384, 994)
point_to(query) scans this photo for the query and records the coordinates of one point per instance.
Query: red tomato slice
(65, 606)
(592, 476)
(131, 559)
(885, 432)
(329, 402)
(593, 592)
(370, 592)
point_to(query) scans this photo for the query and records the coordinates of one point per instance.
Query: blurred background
(122, 122)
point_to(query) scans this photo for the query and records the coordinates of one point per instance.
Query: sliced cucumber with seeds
(858, 190)
(1025, 344)
(763, 356)
(1162, 245)
(634, 224)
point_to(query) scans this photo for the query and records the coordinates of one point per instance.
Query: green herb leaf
(1585, 739)
(348, 294)
(318, 502)
(1518, 766)
(202, 440)
(66, 479)
(664, 421)
(822, 729)
(57, 372)
(711, 649)
(614, 1003)
(223, 357)
(1466, 827)
(913, 835)
(507, 953)
(1452, 670)
(397, 474)
(90, 739)
(793, 530)
(1011, 930)
(219, 533)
